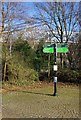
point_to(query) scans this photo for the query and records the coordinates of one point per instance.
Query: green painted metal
(48, 50)
(61, 48)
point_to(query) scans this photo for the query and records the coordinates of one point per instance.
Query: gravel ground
(39, 102)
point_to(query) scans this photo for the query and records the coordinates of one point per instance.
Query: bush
(71, 76)
(43, 76)
(20, 74)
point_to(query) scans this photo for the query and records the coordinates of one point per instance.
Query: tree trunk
(49, 67)
(3, 17)
(4, 67)
(61, 60)
(61, 54)
(4, 74)
(79, 51)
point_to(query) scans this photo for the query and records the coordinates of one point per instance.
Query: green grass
(39, 102)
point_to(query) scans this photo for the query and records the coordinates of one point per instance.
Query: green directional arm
(62, 50)
(59, 50)
(48, 50)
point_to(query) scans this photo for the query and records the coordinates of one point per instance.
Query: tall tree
(61, 19)
(80, 35)
(79, 51)
(14, 18)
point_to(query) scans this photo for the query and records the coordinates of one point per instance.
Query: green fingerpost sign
(61, 48)
(48, 50)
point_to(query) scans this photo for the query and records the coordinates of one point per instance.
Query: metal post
(55, 71)
(49, 58)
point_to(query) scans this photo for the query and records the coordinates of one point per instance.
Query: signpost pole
(55, 71)
(56, 48)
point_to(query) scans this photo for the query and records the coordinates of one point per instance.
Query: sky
(32, 10)
(41, 0)
(29, 8)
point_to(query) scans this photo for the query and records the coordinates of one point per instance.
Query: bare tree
(79, 51)
(14, 18)
(61, 19)
(79, 35)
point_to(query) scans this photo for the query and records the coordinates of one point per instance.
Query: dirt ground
(37, 101)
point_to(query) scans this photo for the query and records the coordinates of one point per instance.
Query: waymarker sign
(55, 48)
(60, 48)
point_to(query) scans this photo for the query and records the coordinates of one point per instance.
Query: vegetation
(20, 67)
(23, 34)
(28, 65)
(71, 76)
(22, 63)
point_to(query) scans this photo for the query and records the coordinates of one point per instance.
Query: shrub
(71, 76)
(43, 76)
(20, 74)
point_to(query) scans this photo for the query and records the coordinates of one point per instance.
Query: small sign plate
(55, 79)
(55, 67)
